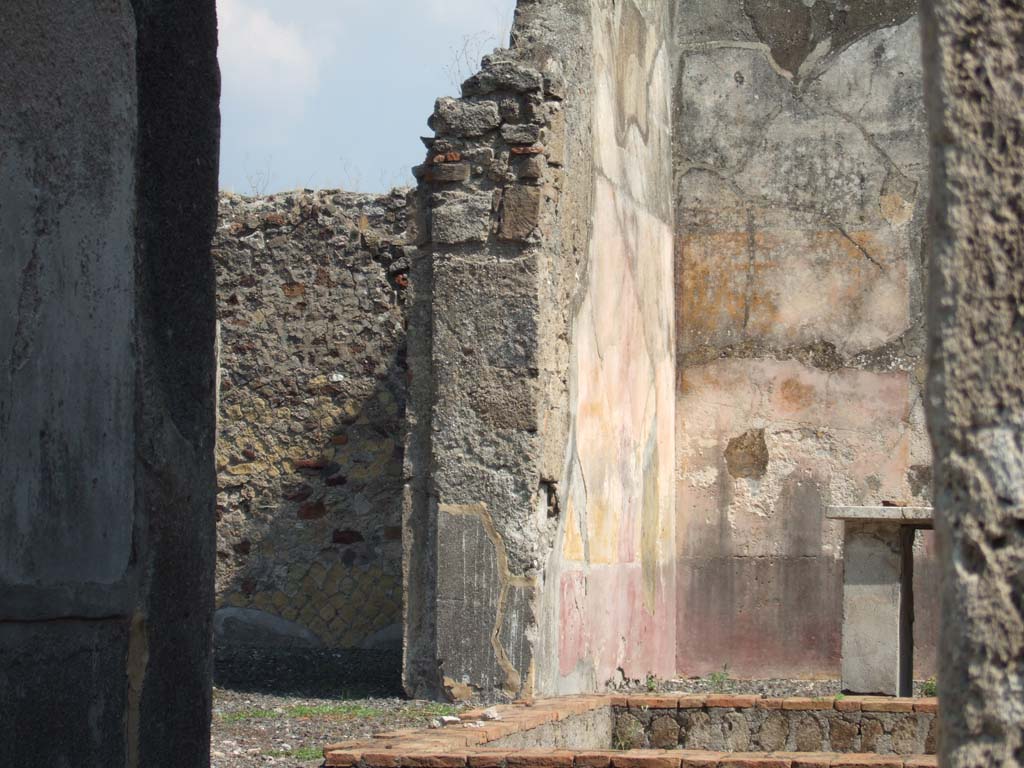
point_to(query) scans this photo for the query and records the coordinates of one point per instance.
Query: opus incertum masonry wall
(311, 293)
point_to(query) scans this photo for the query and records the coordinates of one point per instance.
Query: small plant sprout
(930, 687)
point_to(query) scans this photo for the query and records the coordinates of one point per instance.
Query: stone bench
(878, 599)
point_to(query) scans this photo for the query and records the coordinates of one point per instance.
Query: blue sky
(336, 93)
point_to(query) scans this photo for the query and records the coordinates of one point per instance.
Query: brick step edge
(643, 758)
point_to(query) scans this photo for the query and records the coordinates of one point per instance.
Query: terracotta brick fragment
(805, 704)
(921, 761)
(859, 760)
(735, 702)
(578, 705)
(929, 706)
(619, 701)
(753, 760)
(491, 731)
(487, 758)
(848, 704)
(647, 758)
(452, 760)
(595, 759)
(539, 758)
(342, 758)
(887, 705)
(693, 701)
(693, 758)
(769, 703)
(807, 759)
(401, 733)
(527, 718)
(653, 702)
(347, 745)
(448, 740)
(381, 759)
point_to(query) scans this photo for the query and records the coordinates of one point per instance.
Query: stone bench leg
(877, 656)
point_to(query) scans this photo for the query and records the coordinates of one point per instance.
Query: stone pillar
(108, 173)
(877, 609)
(975, 94)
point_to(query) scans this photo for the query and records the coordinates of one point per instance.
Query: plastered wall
(616, 574)
(800, 167)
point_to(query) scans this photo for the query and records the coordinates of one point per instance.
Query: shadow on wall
(318, 568)
(311, 291)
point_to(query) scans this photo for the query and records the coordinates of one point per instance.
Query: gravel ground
(290, 732)
(273, 708)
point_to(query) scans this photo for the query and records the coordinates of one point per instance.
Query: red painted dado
(606, 620)
(573, 641)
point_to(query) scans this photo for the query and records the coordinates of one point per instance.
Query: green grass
(718, 680)
(249, 714)
(346, 710)
(332, 710)
(302, 753)
(930, 687)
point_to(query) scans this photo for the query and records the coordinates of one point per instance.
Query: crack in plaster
(763, 48)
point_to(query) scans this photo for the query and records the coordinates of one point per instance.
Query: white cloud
(264, 61)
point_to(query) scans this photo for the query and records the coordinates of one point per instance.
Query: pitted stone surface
(311, 291)
(975, 400)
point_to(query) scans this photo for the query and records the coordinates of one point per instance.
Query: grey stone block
(872, 594)
(461, 219)
(464, 118)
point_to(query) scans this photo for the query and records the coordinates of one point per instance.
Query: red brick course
(648, 758)
(808, 704)
(930, 706)
(539, 758)
(733, 702)
(464, 745)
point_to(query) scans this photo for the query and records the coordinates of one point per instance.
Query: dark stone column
(109, 131)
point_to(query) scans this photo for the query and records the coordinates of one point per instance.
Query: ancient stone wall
(480, 515)
(800, 182)
(884, 726)
(109, 126)
(311, 302)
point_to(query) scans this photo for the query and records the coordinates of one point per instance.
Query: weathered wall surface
(749, 728)
(539, 517)
(975, 86)
(800, 167)
(614, 568)
(107, 384)
(311, 293)
(481, 511)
